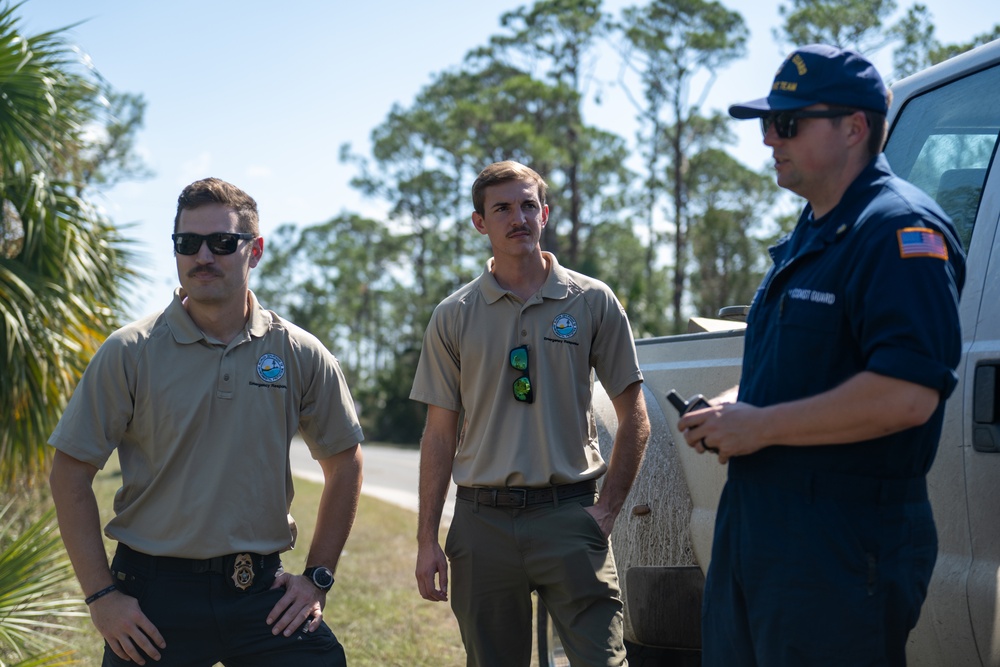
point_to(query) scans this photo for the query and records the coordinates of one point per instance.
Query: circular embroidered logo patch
(564, 325)
(270, 368)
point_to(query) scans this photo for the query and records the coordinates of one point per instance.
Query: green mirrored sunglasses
(522, 385)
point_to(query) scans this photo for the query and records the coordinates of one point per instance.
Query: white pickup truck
(944, 127)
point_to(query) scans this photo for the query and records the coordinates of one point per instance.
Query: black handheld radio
(696, 402)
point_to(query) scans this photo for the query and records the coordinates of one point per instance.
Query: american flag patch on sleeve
(921, 242)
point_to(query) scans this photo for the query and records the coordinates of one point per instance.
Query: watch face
(322, 577)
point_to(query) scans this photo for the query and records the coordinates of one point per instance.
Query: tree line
(669, 219)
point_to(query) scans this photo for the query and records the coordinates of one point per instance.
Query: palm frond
(47, 660)
(33, 564)
(57, 300)
(63, 265)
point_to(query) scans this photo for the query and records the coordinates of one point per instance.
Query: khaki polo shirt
(203, 429)
(573, 324)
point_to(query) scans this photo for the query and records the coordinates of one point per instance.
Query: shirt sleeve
(328, 419)
(101, 406)
(437, 380)
(613, 355)
(905, 304)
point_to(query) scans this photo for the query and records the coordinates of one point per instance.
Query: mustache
(201, 270)
(518, 230)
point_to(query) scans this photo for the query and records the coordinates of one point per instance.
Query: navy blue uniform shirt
(860, 289)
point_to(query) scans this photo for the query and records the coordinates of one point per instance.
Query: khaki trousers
(500, 555)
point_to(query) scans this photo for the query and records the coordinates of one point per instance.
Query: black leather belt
(219, 565)
(525, 497)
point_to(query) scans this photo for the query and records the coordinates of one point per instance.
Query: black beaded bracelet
(101, 593)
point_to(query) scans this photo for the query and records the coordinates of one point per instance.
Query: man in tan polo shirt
(201, 401)
(514, 350)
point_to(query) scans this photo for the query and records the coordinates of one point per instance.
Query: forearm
(864, 407)
(435, 475)
(437, 455)
(80, 521)
(117, 616)
(628, 449)
(338, 507)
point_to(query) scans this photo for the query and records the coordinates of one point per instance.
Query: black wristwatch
(321, 577)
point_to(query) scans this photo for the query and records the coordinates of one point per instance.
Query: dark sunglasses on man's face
(220, 243)
(786, 122)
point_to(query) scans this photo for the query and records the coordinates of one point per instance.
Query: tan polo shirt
(203, 429)
(572, 324)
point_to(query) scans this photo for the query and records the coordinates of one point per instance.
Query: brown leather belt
(518, 498)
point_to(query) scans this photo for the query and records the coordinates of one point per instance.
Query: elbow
(57, 474)
(919, 408)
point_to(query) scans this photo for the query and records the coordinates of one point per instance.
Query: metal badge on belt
(243, 571)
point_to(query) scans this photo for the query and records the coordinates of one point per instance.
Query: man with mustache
(201, 402)
(505, 371)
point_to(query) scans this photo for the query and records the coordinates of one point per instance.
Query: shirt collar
(260, 319)
(185, 331)
(556, 285)
(836, 223)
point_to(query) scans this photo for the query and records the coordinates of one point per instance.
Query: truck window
(944, 141)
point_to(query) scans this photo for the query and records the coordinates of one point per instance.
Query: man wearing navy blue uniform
(824, 538)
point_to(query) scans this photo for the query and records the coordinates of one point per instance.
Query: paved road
(390, 474)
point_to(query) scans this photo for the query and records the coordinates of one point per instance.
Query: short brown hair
(503, 172)
(879, 132)
(217, 191)
(878, 122)
(878, 127)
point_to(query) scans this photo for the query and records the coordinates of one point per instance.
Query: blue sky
(264, 94)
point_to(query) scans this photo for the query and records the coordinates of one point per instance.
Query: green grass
(374, 608)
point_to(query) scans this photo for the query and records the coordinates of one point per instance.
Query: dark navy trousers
(206, 620)
(816, 571)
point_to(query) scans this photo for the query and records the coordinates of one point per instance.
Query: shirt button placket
(226, 373)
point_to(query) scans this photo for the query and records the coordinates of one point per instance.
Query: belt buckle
(524, 498)
(243, 571)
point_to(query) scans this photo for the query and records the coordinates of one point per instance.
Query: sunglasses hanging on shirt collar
(522, 385)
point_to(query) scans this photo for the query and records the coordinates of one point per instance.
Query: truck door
(944, 139)
(981, 389)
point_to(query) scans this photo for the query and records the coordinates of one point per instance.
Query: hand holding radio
(696, 402)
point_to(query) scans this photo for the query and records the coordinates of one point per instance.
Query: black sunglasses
(220, 243)
(522, 385)
(785, 122)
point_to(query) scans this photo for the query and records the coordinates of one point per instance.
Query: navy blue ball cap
(820, 74)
